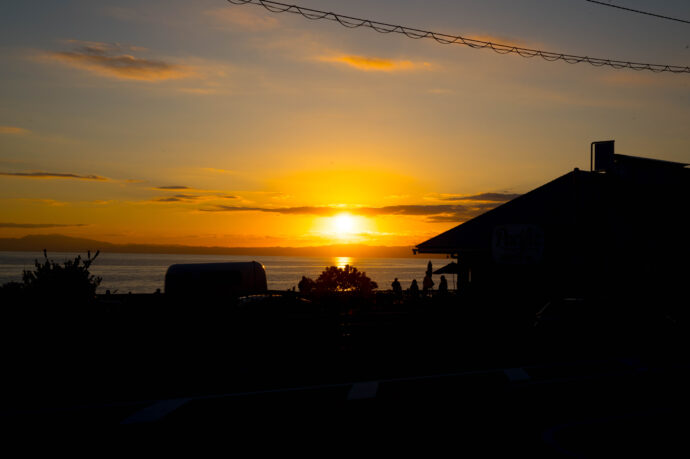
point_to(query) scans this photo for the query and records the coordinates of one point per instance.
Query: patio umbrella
(451, 268)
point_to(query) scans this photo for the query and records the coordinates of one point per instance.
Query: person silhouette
(414, 289)
(427, 283)
(443, 286)
(397, 289)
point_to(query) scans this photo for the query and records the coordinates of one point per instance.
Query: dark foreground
(434, 371)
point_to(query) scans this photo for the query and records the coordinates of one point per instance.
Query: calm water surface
(144, 273)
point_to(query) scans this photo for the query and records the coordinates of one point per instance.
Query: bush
(347, 279)
(71, 282)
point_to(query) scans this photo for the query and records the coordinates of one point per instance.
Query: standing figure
(427, 283)
(414, 289)
(397, 289)
(443, 286)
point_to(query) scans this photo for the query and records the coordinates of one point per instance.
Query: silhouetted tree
(347, 279)
(68, 282)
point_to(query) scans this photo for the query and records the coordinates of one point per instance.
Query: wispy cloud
(173, 187)
(179, 198)
(375, 64)
(490, 197)
(435, 213)
(53, 175)
(111, 60)
(99, 47)
(241, 18)
(13, 130)
(40, 225)
(201, 196)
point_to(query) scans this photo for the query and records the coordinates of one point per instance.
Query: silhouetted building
(620, 226)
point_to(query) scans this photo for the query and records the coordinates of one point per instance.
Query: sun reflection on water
(340, 262)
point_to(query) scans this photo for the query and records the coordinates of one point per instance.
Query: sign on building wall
(518, 244)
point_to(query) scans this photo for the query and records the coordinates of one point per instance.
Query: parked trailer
(215, 280)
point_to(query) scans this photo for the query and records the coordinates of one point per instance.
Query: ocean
(144, 273)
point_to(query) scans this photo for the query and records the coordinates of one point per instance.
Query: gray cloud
(173, 187)
(178, 198)
(111, 60)
(39, 225)
(492, 197)
(51, 175)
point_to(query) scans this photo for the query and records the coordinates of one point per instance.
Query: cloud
(178, 198)
(304, 210)
(205, 195)
(99, 47)
(375, 64)
(13, 130)
(435, 213)
(173, 187)
(53, 175)
(108, 59)
(242, 18)
(40, 225)
(491, 197)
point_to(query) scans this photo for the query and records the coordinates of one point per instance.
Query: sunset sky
(206, 123)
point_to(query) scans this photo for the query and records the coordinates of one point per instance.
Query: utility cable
(381, 27)
(638, 11)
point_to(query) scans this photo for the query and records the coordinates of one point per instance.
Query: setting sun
(344, 224)
(342, 227)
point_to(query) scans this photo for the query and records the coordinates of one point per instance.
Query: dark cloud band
(40, 225)
(436, 213)
(52, 175)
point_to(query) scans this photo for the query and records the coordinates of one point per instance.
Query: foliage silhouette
(70, 281)
(347, 279)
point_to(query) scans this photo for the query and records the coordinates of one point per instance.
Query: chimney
(601, 155)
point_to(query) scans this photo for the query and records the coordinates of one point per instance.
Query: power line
(638, 11)
(381, 27)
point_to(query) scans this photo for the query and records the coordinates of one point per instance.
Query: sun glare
(343, 227)
(343, 224)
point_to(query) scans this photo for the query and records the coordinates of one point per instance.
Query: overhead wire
(612, 5)
(417, 34)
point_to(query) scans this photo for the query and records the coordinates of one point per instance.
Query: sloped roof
(554, 204)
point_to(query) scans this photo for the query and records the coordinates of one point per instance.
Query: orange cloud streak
(376, 64)
(13, 130)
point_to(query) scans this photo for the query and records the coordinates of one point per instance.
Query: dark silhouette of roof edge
(429, 247)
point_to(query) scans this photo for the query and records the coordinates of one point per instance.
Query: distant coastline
(62, 243)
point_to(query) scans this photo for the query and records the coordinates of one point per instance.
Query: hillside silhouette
(62, 243)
